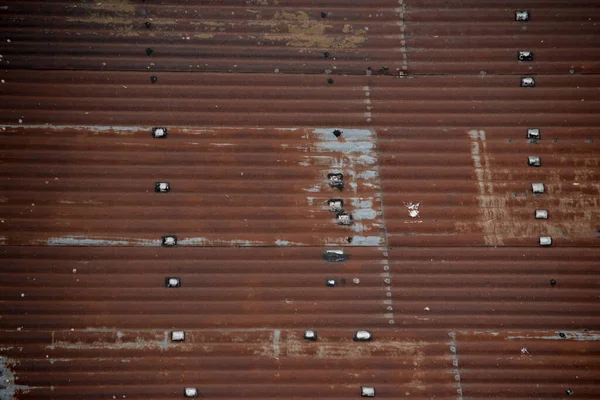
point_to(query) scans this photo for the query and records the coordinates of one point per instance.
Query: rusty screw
(552, 282)
(569, 392)
(323, 15)
(337, 133)
(326, 55)
(148, 24)
(153, 79)
(330, 81)
(149, 51)
(562, 335)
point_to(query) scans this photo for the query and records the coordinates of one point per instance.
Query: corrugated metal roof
(418, 104)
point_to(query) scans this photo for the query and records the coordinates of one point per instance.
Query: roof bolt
(153, 79)
(562, 335)
(162, 187)
(349, 240)
(331, 282)
(362, 336)
(522, 16)
(541, 214)
(525, 56)
(159, 133)
(310, 335)
(537, 188)
(336, 205)
(148, 24)
(172, 282)
(527, 82)
(344, 219)
(533, 133)
(177, 336)
(552, 282)
(366, 391)
(190, 392)
(330, 81)
(326, 55)
(534, 161)
(569, 392)
(169, 241)
(149, 51)
(336, 180)
(545, 241)
(323, 15)
(337, 133)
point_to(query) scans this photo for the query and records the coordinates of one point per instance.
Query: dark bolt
(323, 15)
(369, 69)
(343, 280)
(562, 335)
(149, 51)
(148, 24)
(337, 133)
(326, 55)
(552, 282)
(349, 240)
(569, 392)
(330, 81)
(153, 79)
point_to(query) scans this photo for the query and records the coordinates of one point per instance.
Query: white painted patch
(368, 241)
(87, 241)
(314, 189)
(283, 243)
(222, 144)
(413, 209)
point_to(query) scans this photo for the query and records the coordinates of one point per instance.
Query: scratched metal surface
(441, 264)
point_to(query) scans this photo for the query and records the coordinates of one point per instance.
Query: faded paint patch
(9, 390)
(492, 208)
(303, 32)
(91, 241)
(373, 241)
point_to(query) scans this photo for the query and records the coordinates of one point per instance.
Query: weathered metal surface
(417, 104)
(480, 38)
(274, 36)
(228, 187)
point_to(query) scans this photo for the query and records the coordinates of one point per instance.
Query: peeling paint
(86, 241)
(8, 388)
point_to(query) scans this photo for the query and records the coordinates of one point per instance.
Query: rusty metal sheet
(272, 36)
(229, 187)
(479, 38)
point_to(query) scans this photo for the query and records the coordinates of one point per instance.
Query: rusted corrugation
(496, 288)
(470, 37)
(124, 287)
(529, 364)
(252, 187)
(266, 363)
(252, 36)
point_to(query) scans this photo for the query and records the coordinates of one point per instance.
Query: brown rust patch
(303, 32)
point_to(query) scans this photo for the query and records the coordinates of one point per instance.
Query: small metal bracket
(335, 256)
(527, 81)
(172, 282)
(162, 187)
(367, 391)
(541, 214)
(177, 336)
(537, 188)
(525, 56)
(159, 133)
(310, 335)
(534, 133)
(362, 336)
(545, 241)
(331, 282)
(522, 16)
(534, 161)
(336, 181)
(344, 219)
(169, 241)
(336, 205)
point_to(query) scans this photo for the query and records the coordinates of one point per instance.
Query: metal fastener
(522, 16)
(172, 282)
(545, 241)
(162, 187)
(366, 391)
(330, 282)
(527, 82)
(336, 180)
(534, 161)
(177, 336)
(537, 188)
(159, 133)
(336, 205)
(533, 133)
(190, 392)
(362, 336)
(541, 214)
(169, 241)
(525, 56)
(344, 219)
(310, 335)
